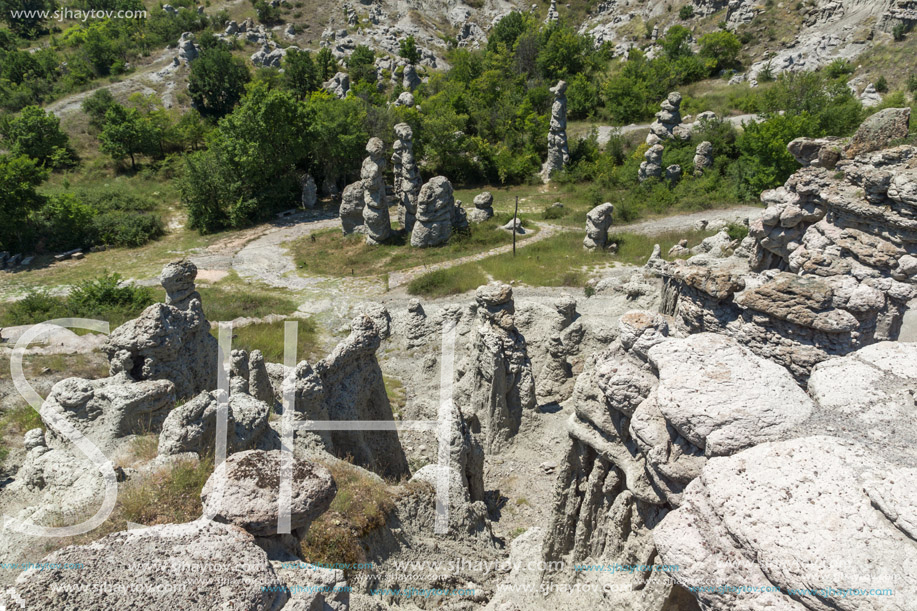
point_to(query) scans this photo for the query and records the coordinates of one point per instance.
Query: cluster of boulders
(667, 125)
(483, 208)
(695, 452)
(558, 152)
(829, 266)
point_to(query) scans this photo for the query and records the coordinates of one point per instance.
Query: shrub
(38, 135)
(899, 32)
(686, 12)
(882, 85)
(764, 162)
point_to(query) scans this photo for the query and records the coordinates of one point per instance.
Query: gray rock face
(309, 192)
(409, 79)
(168, 342)
(244, 490)
(338, 85)
(483, 208)
(188, 51)
(738, 516)
(598, 220)
(375, 209)
(703, 158)
(879, 131)
(435, 214)
(406, 99)
(192, 426)
(348, 385)
(270, 55)
(465, 473)
(107, 409)
(555, 338)
(558, 152)
(407, 176)
(828, 267)
(351, 210)
(821, 152)
(178, 281)
(197, 566)
(651, 167)
(668, 119)
(496, 379)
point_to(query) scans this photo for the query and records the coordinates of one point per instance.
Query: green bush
(882, 85)
(101, 298)
(764, 162)
(686, 12)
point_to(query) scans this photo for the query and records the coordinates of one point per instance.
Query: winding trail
(265, 259)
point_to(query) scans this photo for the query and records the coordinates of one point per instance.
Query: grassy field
(556, 261)
(334, 254)
(231, 298)
(268, 338)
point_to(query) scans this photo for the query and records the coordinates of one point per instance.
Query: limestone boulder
(435, 214)
(192, 426)
(880, 130)
(244, 490)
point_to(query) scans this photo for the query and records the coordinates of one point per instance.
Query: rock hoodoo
(375, 209)
(168, 341)
(483, 208)
(309, 192)
(558, 153)
(668, 121)
(598, 220)
(435, 214)
(351, 210)
(651, 167)
(496, 380)
(703, 158)
(407, 176)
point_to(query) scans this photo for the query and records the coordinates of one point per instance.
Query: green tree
(764, 162)
(126, 133)
(407, 48)
(686, 12)
(360, 65)
(507, 31)
(37, 134)
(676, 42)
(96, 105)
(19, 177)
(338, 135)
(217, 81)
(300, 75)
(25, 16)
(326, 64)
(563, 52)
(721, 49)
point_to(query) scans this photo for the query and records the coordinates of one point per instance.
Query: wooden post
(515, 217)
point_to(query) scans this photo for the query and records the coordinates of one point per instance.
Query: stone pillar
(558, 153)
(375, 211)
(407, 176)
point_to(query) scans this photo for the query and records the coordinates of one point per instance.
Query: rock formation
(244, 490)
(435, 214)
(348, 385)
(598, 220)
(649, 413)
(168, 341)
(703, 158)
(555, 339)
(409, 79)
(827, 268)
(407, 176)
(870, 97)
(309, 192)
(558, 153)
(459, 217)
(673, 174)
(375, 209)
(351, 211)
(668, 121)
(496, 380)
(483, 208)
(651, 167)
(192, 426)
(106, 410)
(338, 85)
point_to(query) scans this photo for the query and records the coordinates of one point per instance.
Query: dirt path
(403, 277)
(605, 131)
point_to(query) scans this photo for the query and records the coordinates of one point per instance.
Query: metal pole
(515, 217)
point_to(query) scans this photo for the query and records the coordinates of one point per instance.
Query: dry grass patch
(362, 504)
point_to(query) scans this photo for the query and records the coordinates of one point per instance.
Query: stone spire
(407, 176)
(375, 211)
(558, 153)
